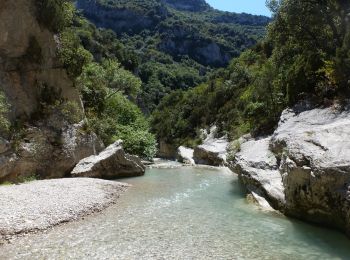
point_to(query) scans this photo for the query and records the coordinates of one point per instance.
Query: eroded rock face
(185, 155)
(307, 160)
(213, 151)
(111, 163)
(47, 145)
(28, 60)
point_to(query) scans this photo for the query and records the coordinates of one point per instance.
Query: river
(183, 213)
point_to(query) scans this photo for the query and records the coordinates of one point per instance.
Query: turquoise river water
(183, 213)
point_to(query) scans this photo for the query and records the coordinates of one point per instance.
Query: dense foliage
(305, 55)
(105, 88)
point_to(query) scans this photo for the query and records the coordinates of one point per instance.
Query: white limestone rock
(185, 155)
(213, 151)
(111, 163)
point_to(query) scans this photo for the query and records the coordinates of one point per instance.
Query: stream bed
(183, 213)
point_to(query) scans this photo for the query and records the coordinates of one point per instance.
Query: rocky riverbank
(303, 169)
(40, 205)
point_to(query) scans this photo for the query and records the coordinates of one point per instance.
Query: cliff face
(180, 42)
(28, 59)
(41, 144)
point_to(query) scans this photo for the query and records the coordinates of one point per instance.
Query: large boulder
(213, 151)
(307, 160)
(111, 163)
(185, 155)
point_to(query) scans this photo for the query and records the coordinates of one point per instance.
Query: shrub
(72, 55)
(137, 141)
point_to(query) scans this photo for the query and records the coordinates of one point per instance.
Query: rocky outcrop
(111, 163)
(201, 49)
(258, 170)
(213, 151)
(306, 160)
(185, 155)
(314, 149)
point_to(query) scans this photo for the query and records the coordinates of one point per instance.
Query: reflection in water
(185, 213)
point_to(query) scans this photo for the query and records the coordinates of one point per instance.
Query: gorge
(249, 115)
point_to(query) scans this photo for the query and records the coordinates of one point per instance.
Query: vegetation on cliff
(305, 54)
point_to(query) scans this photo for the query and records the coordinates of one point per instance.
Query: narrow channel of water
(184, 213)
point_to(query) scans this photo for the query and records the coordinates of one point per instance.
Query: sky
(240, 6)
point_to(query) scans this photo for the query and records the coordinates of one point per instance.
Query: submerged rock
(111, 163)
(303, 169)
(185, 155)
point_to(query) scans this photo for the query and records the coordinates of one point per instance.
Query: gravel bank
(40, 205)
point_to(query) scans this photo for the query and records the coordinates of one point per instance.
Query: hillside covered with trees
(175, 44)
